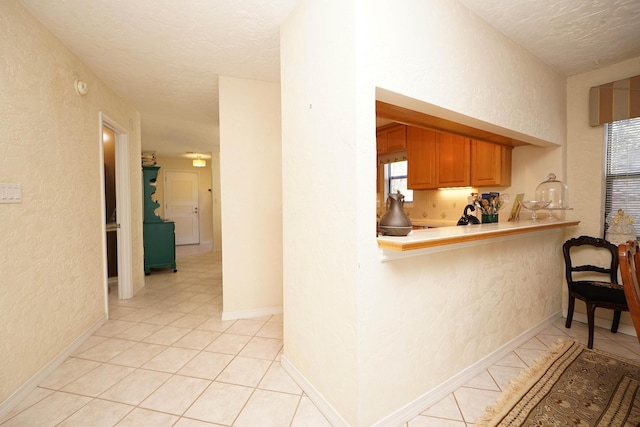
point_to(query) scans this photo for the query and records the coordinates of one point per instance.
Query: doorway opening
(116, 210)
(109, 147)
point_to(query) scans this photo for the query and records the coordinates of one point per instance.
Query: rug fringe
(519, 386)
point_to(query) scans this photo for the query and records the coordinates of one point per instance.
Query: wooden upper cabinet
(453, 154)
(421, 156)
(490, 164)
(381, 142)
(438, 159)
(391, 138)
(396, 138)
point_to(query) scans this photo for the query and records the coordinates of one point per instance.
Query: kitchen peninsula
(440, 239)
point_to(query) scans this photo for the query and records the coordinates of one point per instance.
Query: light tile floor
(165, 358)
(462, 407)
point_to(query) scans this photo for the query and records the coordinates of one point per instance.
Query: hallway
(155, 361)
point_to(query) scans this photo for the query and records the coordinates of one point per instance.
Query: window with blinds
(395, 175)
(622, 169)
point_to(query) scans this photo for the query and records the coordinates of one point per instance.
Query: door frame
(123, 206)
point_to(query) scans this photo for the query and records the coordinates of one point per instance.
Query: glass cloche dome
(553, 191)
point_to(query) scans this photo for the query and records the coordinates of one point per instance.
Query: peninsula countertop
(442, 236)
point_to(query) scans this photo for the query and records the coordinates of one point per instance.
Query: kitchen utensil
(467, 219)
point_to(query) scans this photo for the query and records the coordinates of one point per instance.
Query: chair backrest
(629, 266)
(610, 269)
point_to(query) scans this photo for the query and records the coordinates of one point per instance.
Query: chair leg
(616, 321)
(591, 309)
(572, 303)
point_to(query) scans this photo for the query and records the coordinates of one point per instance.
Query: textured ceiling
(571, 36)
(165, 56)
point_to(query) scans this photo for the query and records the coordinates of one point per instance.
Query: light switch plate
(10, 193)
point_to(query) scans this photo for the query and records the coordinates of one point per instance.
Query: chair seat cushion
(599, 291)
(603, 284)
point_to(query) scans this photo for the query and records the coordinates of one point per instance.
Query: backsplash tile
(433, 204)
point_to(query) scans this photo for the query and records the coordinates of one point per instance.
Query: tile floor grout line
(295, 411)
(89, 402)
(458, 406)
(243, 406)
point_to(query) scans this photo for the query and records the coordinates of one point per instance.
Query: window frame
(388, 178)
(616, 152)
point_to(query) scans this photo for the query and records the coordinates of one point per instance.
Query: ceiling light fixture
(199, 162)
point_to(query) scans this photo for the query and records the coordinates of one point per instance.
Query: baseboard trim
(316, 397)
(438, 393)
(431, 397)
(23, 391)
(255, 312)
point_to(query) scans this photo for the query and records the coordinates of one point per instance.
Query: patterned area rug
(571, 386)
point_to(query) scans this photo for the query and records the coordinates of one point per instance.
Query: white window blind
(622, 169)
(396, 179)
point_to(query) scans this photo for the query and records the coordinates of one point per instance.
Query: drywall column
(251, 192)
(320, 186)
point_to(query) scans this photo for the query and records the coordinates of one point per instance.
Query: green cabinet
(159, 245)
(158, 235)
(149, 176)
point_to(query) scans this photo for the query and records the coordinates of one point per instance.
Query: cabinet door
(391, 138)
(421, 157)
(381, 142)
(490, 164)
(453, 160)
(396, 138)
(159, 245)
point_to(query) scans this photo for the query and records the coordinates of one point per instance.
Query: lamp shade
(199, 163)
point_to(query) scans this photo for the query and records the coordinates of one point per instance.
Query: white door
(181, 205)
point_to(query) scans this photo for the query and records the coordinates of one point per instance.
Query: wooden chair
(605, 293)
(629, 258)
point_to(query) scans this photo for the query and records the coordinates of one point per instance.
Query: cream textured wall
(52, 282)
(373, 337)
(217, 208)
(450, 58)
(423, 320)
(205, 191)
(445, 311)
(251, 191)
